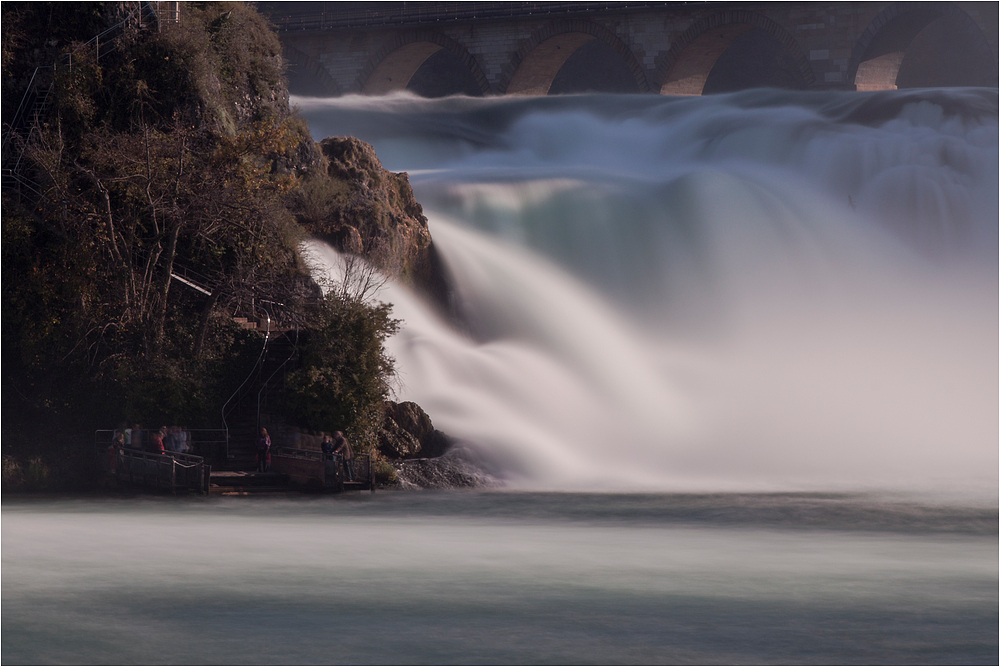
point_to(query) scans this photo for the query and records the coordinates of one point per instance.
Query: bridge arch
(394, 64)
(879, 53)
(306, 76)
(684, 68)
(534, 66)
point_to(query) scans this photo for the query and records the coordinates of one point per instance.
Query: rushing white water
(765, 290)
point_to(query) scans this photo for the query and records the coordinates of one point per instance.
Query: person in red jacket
(156, 442)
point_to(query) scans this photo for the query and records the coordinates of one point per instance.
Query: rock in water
(395, 442)
(454, 470)
(407, 432)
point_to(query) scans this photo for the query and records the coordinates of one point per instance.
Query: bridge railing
(403, 13)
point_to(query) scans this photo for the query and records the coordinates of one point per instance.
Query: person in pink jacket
(263, 451)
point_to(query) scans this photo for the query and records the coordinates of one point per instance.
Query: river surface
(761, 326)
(500, 577)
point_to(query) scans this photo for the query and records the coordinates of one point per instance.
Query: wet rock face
(360, 207)
(407, 432)
(396, 443)
(451, 471)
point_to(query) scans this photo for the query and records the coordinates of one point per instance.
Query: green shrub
(384, 473)
(344, 377)
(36, 475)
(12, 476)
(31, 476)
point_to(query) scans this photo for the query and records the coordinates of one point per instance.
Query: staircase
(250, 408)
(37, 100)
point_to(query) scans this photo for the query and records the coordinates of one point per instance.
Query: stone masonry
(670, 50)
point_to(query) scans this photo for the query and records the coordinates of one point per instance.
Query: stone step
(240, 478)
(248, 490)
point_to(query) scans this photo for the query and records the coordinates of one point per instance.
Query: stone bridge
(671, 48)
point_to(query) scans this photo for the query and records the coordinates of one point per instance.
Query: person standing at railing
(327, 447)
(114, 451)
(263, 451)
(342, 448)
(136, 437)
(156, 441)
(183, 441)
(169, 439)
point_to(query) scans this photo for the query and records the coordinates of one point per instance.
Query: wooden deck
(292, 470)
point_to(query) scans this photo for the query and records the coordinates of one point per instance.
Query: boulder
(407, 432)
(410, 417)
(395, 442)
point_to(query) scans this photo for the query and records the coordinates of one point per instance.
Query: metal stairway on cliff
(26, 124)
(247, 410)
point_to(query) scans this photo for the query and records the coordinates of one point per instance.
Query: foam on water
(763, 290)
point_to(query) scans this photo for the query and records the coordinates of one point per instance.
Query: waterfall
(763, 290)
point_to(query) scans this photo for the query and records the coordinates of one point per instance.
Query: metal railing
(192, 279)
(282, 368)
(203, 442)
(242, 391)
(166, 12)
(403, 13)
(37, 96)
(170, 472)
(303, 465)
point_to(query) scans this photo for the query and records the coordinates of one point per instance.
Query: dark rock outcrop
(407, 432)
(359, 207)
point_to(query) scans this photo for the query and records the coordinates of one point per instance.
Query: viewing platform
(239, 483)
(291, 470)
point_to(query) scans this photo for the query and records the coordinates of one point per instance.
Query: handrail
(67, 59)
(165, 468)
(108, 433)
(21, 106)
(403, 13)
(263, 387)
(260, 357)
(267, 336)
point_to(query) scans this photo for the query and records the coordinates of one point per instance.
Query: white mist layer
(707, 297)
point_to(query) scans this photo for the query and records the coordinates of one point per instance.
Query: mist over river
(759, 291)
(732, 360)
(499, 578)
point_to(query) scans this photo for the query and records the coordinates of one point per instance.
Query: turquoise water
(500, 578)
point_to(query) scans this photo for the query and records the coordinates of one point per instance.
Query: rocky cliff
(349, 200)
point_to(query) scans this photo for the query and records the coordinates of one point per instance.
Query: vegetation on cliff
(172, 152)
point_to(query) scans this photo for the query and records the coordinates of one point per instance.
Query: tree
(345, 374)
